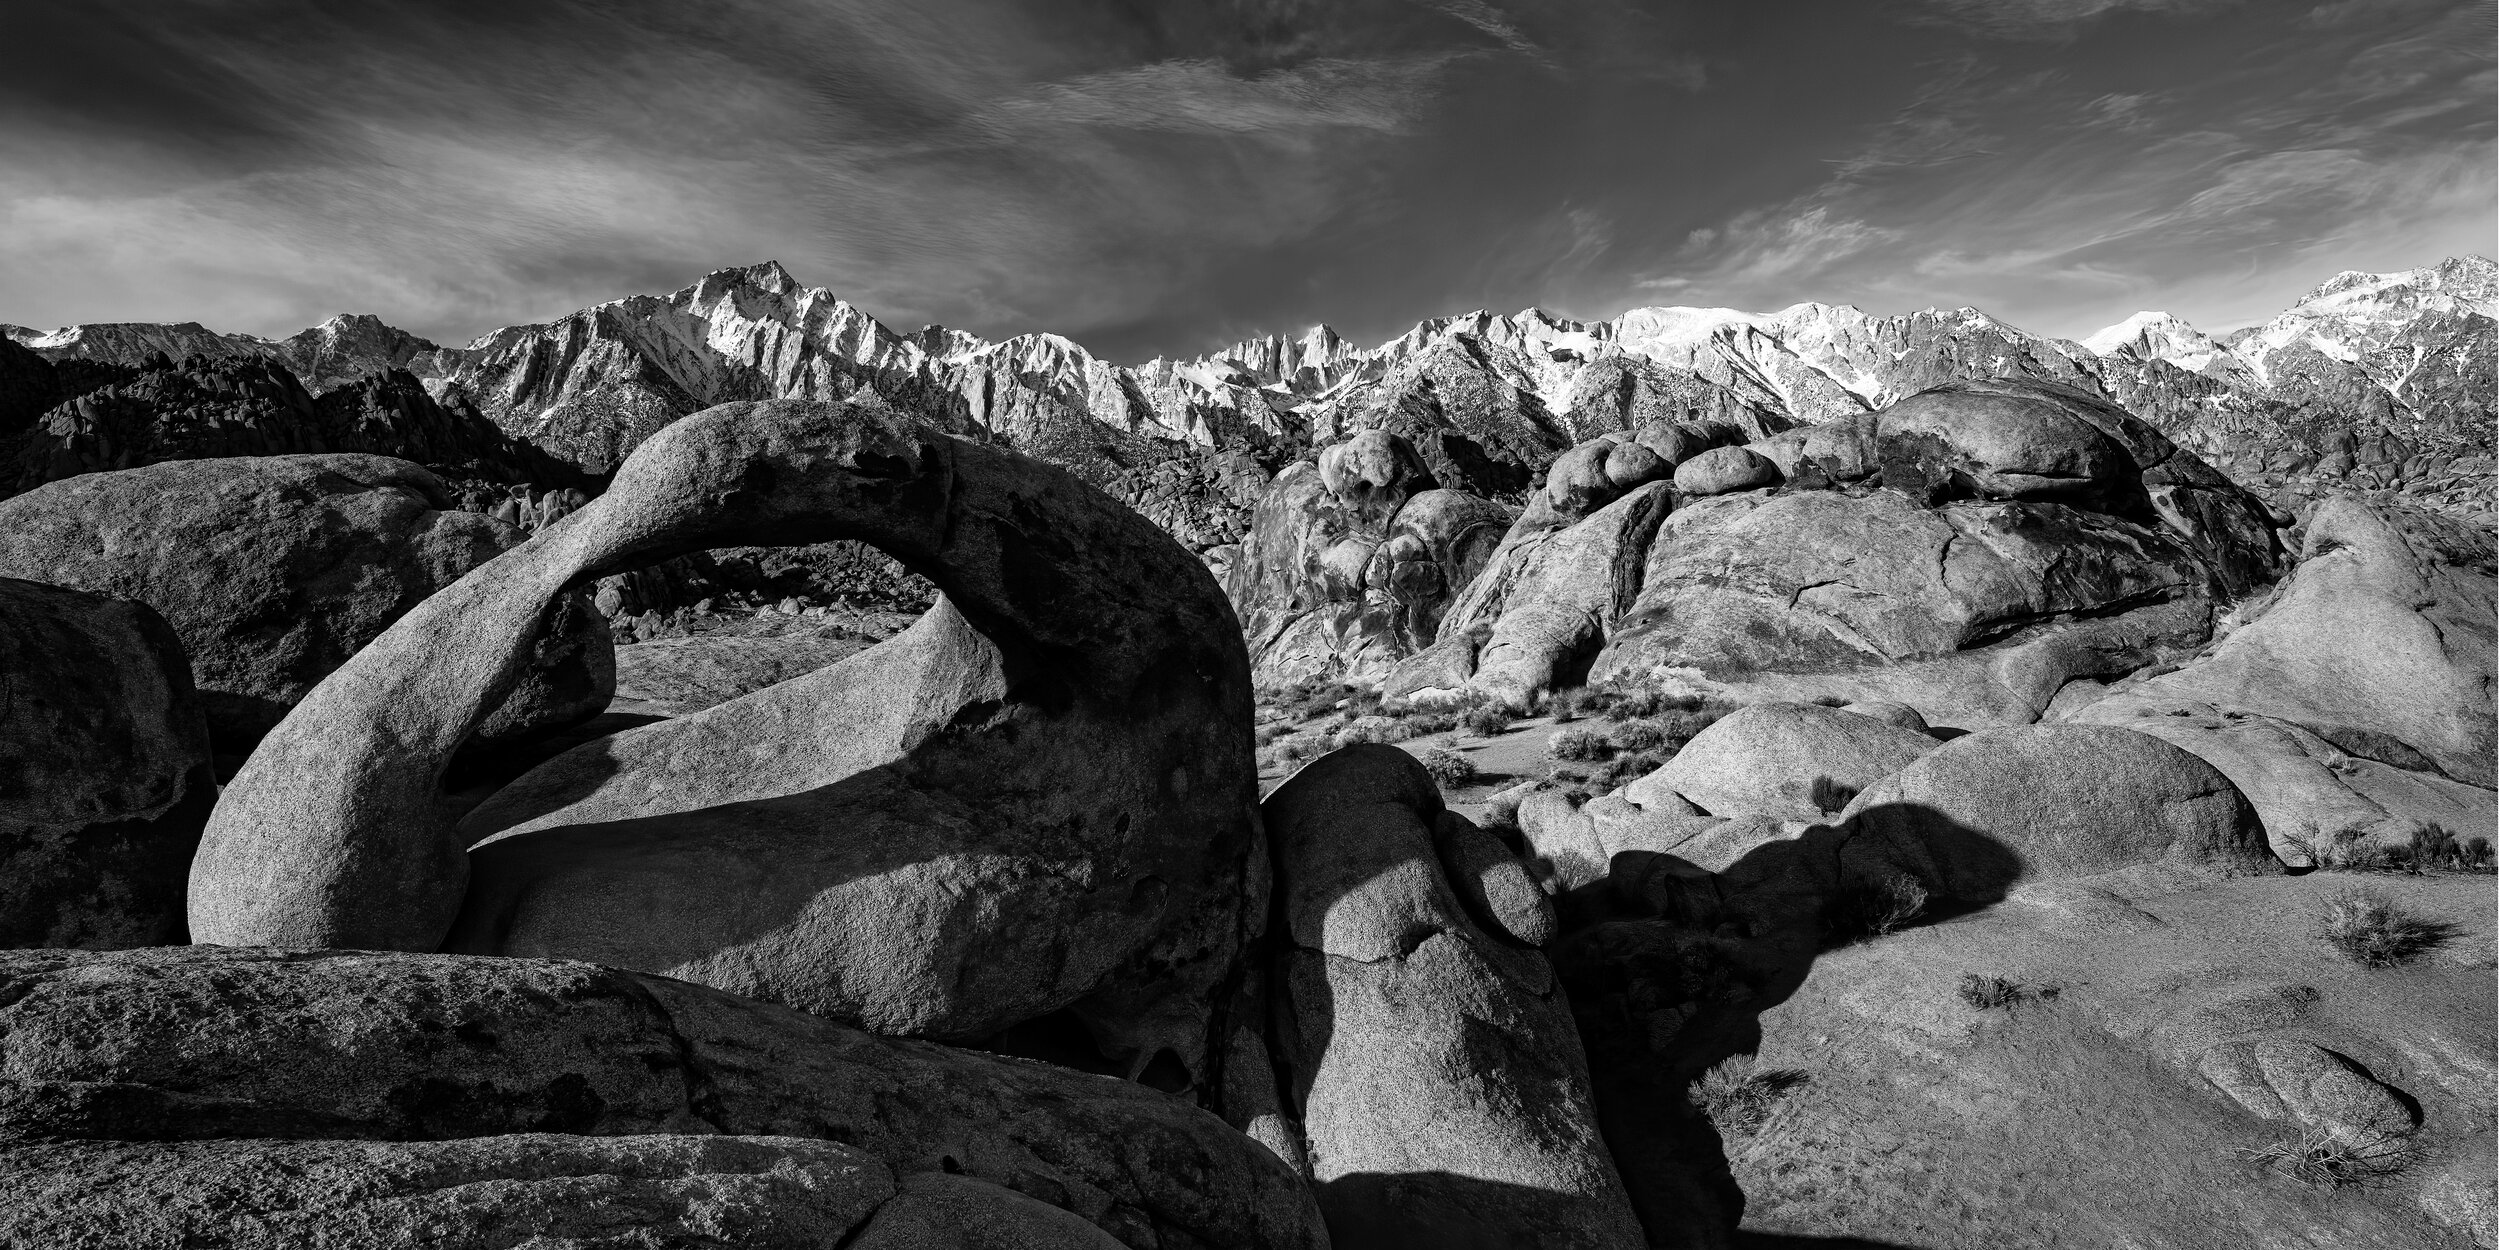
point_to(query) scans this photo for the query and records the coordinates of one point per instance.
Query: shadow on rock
(1670, 963)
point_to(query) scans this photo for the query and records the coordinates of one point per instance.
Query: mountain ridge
(2364, 356)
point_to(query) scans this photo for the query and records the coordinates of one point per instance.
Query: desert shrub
(2330, 1160)
(1269, 733)
(1431, 722)
(1680, 724)
(2477, 852)
(1375, 729)
(1866, 908)
(1485, 720)
(1623, 770)
(1595, 701)
(2000, 994)
(1302, 747)
(2376, 933)
(1449, 767)
(1579, 745)
(1738, 1094)
(1639, 735)
(1828, 795)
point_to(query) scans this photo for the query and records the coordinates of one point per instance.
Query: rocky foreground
(1970, 819)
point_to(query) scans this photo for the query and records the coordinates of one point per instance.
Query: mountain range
(2372, 381)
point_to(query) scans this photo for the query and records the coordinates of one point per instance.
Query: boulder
(2337, 744)
(1974, 612)
(1898, 714)
(104, 771)
(547, 1191)
(1040, 797)
(1976, 815)
(1545, 597)
(1984, 545)
(1722, 470)
(1491, 881)
(939, 1211)
(1348, 565)
(1789, 760)
(1435, 1069)
(343, 1048)
(2281, 1078)
(275, 569)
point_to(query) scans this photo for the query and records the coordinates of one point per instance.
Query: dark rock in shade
(104, 771)
(339, 1048)
(546, 1191)
(1434, 1068)
(939, 1211)
(27, 387)
(275, 569)
(124, 417)
(1040, 798)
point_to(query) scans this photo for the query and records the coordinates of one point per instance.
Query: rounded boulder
(2038, 802)
(1723, 470)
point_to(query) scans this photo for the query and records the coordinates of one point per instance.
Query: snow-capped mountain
(2374, 368)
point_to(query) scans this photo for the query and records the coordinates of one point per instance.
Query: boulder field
(2009, 832)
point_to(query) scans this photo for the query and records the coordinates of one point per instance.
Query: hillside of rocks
(712, 772)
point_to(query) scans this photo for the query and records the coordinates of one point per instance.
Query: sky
(1163, 178)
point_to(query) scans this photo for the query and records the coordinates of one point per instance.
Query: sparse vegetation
(1738, 1094)
(2375, 933)
(2426, 849)
(1302, 747)
(1866, 908)
(1828, 795)
(1623, 770)
(2329, 1160)
(1639, 735)
(1449, 767)
(1484, 720)
(2000, 994)
(1583, 745)
(1431, 722)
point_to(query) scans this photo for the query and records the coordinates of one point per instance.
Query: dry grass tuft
(1866, 908)
(1485, 720)
(2000, 994)
(1738, 1094)
(2328, 1160)
(2375, 933)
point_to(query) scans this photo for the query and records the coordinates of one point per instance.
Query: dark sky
(1166, 177)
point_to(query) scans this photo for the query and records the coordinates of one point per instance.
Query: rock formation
(275, 569)
(104, 771)
(1043, 788)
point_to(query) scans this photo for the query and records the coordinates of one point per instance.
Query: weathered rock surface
(104, 771)
(1722, 470)
(1970, 575)
(1046, 796)
(1350, 561)
(275, 569)
(149, 1046)
(1433, 1068)
(482, 1193)
(1792, 760)
(1543, 604)
(2331, 740)
(939, 1211)
(1987, 810)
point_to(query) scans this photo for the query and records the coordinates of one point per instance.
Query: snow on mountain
(2406, 354)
